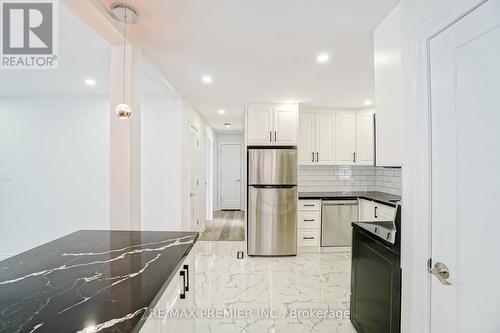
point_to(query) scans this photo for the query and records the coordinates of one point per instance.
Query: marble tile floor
(312, 283)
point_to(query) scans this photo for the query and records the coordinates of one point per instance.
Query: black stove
(376, 275)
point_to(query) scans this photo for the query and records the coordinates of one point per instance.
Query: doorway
(194, 180)
(230, 185)
(465, 159)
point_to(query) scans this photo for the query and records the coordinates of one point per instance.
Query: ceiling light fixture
(221, 111)
(207, 79)
(227, 125)
(127, 15)
(368, 102)
(90, 82)
(322, 58)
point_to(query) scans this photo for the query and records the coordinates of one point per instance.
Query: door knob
(441, 272)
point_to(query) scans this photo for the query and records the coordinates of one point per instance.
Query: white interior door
(465, 83)
(230, 175)
(194, 181)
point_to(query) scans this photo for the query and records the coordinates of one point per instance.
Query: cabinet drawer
(308, 237)
(309, 219)
(310, 205)
(385, 213)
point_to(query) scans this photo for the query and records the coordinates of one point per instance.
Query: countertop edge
(366, 197)
(164, 287)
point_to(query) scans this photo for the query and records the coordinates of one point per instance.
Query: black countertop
(380, 197)
(103, 278)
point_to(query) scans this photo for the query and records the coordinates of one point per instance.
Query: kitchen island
(90, 281)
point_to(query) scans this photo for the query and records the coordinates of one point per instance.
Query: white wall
(161, 144)
(55, 151)
(419, 19)
(191, 118)
(227, 137)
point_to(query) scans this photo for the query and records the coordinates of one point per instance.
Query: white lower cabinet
(373, 211)
(309, 226)
(176, 300)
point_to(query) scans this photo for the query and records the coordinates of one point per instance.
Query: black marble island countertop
(380, 197)
(104, 279)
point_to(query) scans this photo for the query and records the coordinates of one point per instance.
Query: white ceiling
(262, 51)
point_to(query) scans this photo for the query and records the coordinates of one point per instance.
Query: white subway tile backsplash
(325, 178)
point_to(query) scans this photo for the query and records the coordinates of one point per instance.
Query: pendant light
(127, 15)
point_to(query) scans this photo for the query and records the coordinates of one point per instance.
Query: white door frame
(194, 129)
(416, 219)
(219, 162)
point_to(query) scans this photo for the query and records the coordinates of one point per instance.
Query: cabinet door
(375, 285)
(388, 95)
(366, 210)
(260, 125)
(285, 125)
(325, 138)
(365, 145)
(346, 138)
(306, 138)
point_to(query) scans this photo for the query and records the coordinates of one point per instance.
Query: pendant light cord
(124, 46)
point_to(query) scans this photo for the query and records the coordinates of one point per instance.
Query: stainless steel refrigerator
(272, 202)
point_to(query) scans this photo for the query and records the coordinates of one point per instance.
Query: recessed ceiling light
(323, 58)
(221, 111)
(227, 125)
(207, 79)
(368, 102)
(90, 82)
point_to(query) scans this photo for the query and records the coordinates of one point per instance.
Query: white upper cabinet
(331, 137)
(325, 138)
(260, 125)
(307, 138)
(388, 95)
(346, 138)
(317, 138)
(285, 125)
(365, 137)
(272, 125)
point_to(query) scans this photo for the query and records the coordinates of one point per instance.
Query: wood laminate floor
(225, 226)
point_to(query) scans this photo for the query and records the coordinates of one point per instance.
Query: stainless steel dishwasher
(336, 218)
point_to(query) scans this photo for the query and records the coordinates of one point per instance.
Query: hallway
(225, 226)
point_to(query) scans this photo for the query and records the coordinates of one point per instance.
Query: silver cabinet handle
(275, 135)
(375, 212)
(317, 157)
(270, 136)
(312, 220)
(441, 272)
(354, 157)
(308, 237)
(313, 156)
(183, 292)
